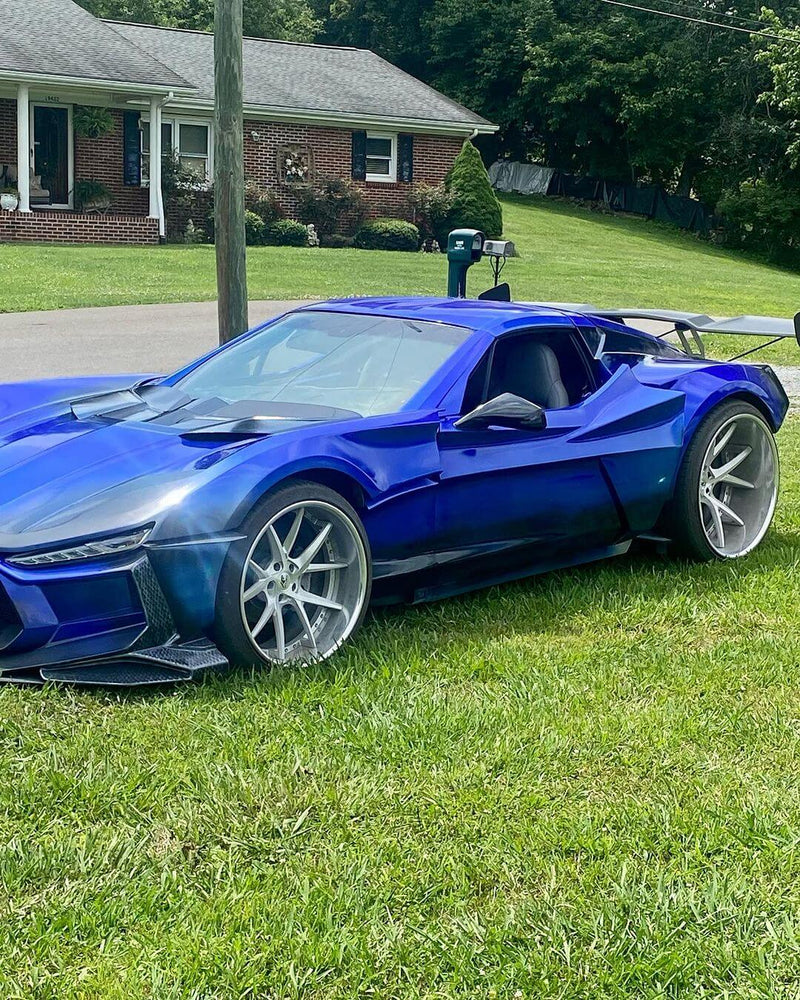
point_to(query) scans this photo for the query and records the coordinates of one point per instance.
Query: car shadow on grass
(535, 609)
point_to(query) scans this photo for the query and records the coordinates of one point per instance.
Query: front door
(599, 471)
(51, 155)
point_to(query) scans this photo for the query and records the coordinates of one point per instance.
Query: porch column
(156, 200)
(23, 147)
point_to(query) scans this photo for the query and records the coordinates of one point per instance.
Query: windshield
(364, 364)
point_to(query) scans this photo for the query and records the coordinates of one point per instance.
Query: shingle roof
(59, 38)
(303, 77)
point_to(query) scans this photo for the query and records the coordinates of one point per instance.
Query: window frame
(391, 177)
(175, 122)
(488, 357)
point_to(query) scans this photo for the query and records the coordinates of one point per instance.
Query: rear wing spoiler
(690, 327)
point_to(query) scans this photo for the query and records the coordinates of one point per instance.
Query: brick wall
(433, 157)
(70, 227)
(101, 160)
(8, 131)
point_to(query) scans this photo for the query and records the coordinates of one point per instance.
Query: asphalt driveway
(153, 338)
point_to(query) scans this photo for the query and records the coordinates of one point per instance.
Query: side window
(546, 366)
(475, 392)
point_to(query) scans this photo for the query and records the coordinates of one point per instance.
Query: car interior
(546, 367)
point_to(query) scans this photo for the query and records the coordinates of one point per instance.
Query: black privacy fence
(651, 201)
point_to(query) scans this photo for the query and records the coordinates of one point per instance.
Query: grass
(584, 785)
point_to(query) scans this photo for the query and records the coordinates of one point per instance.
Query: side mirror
(506, 410)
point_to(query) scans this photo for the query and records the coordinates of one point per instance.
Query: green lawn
(568, 254)
(584, 785)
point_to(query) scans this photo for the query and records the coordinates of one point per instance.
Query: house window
(191, 140)
(381, 157)
(166, 146)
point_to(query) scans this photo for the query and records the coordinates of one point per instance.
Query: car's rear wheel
(727, 486)
(297, 586)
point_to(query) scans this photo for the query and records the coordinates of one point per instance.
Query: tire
(725, 516)
(275, 601)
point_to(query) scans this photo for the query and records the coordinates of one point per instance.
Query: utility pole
(229, 233)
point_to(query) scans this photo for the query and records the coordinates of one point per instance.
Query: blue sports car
(248, 508)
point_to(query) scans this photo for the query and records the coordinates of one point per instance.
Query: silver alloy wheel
(304, 583)
(738, 485)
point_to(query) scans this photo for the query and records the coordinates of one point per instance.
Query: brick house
(310, 110)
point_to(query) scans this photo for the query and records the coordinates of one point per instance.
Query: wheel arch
(754, 400)
(348, 482)
(727, 395)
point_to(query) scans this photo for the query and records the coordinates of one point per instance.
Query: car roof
(476, 314)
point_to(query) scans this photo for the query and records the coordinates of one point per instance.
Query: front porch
(51, 164)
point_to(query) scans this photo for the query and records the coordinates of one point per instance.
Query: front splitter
(171, 663)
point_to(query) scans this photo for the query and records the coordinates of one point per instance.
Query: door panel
(51, 151)
(599, 472)
(522, 487)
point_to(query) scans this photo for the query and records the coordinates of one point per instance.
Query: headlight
(89, 550)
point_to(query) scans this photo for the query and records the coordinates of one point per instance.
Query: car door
(599, 469)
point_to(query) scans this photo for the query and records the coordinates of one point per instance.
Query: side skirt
(441, 581)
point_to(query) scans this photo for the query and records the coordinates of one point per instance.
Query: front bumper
(95, 623)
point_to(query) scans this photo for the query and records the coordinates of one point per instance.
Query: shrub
(264, 203)
(763, 216)
(335, 241)
(177, 180)
(387, 234)
(192, 234)
(332, 204)
(430, 207)
(475, 205)
(286, 233)
(92, 195)
(254, 229)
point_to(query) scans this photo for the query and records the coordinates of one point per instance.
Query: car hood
(101, 463)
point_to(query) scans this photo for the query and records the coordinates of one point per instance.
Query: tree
(292, 20)
(475, 205)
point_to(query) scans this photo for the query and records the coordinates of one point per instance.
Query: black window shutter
(359, 170)
(131, 153)
(405, 166)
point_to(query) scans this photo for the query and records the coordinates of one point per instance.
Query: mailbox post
(464, 247)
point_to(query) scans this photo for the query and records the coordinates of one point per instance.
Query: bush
(475, 205)
(286, 233)
(763, 216)
(430, 208)
(91, 195)
(335, 241)
(332, 204)
(264, 203)
(253, 229)
(387, 234)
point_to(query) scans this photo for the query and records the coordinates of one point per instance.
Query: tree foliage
(474, 204)
(292, 20)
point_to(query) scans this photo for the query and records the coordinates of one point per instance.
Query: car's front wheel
(297, 585)
(727, 485)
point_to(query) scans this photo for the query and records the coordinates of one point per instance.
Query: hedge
(387, 234)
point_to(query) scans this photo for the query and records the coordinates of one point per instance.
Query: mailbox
(464, 247)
